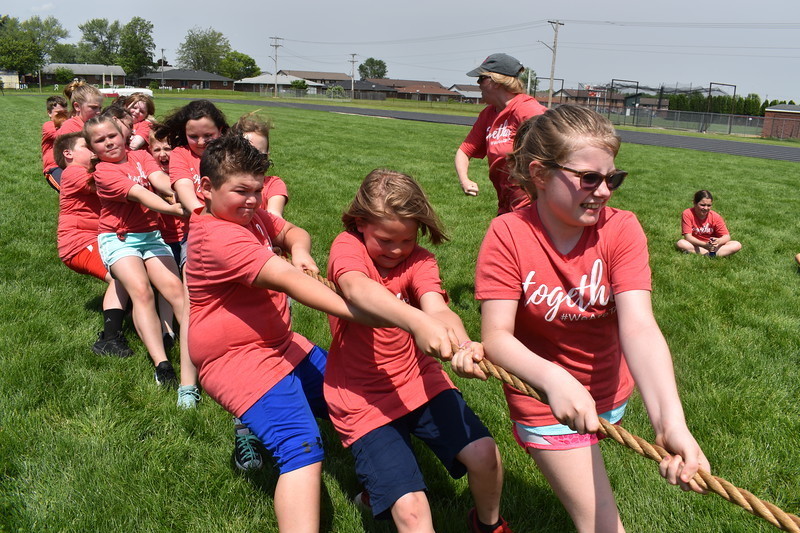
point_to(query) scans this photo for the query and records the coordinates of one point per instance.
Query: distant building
(265, 83)
(425, 91)
(782, 122)
(178, 78)
(469, 93)
(102, 75)
(326, 78)
(366, 90)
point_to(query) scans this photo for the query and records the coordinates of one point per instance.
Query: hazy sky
(753, 45)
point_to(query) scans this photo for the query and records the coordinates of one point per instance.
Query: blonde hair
(80, 92)
(553, 136)
(387, 193)
(509, 83)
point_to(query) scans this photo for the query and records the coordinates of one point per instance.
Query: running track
(763, 151)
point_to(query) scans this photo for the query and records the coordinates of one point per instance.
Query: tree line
(697, 101)
(26, 46)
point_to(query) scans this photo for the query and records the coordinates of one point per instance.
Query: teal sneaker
(245, 453)
(188, 396)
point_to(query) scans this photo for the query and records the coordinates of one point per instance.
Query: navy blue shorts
(385, 462)
(284, 418)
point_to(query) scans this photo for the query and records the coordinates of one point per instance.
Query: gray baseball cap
(499, 63)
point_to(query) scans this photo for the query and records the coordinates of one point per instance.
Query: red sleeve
(424, 276)
(628, 258)
(686, 222)
(142, 129)
(48, 131)
(475, 143)
(242, 259)
(273, 186)
(497, 273)
(720, 229)
(347, 254)
(112, 182)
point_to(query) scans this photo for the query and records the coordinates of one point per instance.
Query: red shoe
(472, 521)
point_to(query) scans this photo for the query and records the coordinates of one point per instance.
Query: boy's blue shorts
(143, 245)
(385, 462)
(284, 417)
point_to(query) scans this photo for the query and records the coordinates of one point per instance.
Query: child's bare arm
(185, 191)
(276, 204)
(160, 182)
(277, 274)
(465, 359)
(297, 242)
(433, 336)
(151, 200)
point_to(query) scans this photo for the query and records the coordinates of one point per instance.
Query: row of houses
(320, 83)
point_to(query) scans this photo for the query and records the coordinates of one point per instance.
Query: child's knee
(411, 512)
(481, 455)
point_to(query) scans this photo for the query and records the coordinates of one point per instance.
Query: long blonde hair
(387, 193)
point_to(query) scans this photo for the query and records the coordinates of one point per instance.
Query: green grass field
(89, 443)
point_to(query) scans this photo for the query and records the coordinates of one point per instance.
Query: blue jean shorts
(142, 245)
(283, 419)
(385, 462)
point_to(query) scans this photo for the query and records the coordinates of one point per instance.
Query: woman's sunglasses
(591, 180)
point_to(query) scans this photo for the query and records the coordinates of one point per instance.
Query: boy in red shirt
(259, 369)
(78, 218)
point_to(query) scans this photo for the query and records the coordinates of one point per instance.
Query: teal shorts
(142, 245)
(560, 436)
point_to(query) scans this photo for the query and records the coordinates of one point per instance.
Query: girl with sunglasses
(564, 286)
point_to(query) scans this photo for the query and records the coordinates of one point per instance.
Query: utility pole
(353, 76)
(162, 67)
(555, 24)
(276, 45)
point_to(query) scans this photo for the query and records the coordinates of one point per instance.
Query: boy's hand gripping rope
(763, 509)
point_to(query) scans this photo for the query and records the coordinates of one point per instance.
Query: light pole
(555, 24)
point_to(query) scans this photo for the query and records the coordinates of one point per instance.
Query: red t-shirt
(142, 129)
(273, 186)
(183, 164)
(712, 226)
(376, 375)
(49, 134)
(566, 311)
(71, 125)
(78, 212)
(492, 136)
(114, 180)
(240, 336)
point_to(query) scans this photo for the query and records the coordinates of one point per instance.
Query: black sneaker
(165, 375)
(116, 345)
(245, 449)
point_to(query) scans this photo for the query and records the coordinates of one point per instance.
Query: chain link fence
(779, 128)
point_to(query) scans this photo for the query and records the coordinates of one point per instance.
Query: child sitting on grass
(247, 356)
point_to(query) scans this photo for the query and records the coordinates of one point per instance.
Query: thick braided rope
(766, 510)
(746, 500)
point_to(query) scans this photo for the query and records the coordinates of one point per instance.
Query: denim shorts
(142, 245)
(283, 419)
(560, 436)
(385, 461)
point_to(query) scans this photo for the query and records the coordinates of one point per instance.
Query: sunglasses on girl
(591, 180)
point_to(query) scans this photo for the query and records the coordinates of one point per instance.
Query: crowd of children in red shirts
(186, 206)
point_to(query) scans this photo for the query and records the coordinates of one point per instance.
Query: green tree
(136, 47)
(372, 68)
(523, 78)
(63, 75)
(64, 53)
(100, 41)
(203, 50)
(45, 33)
(237, 65)
(19, 52)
